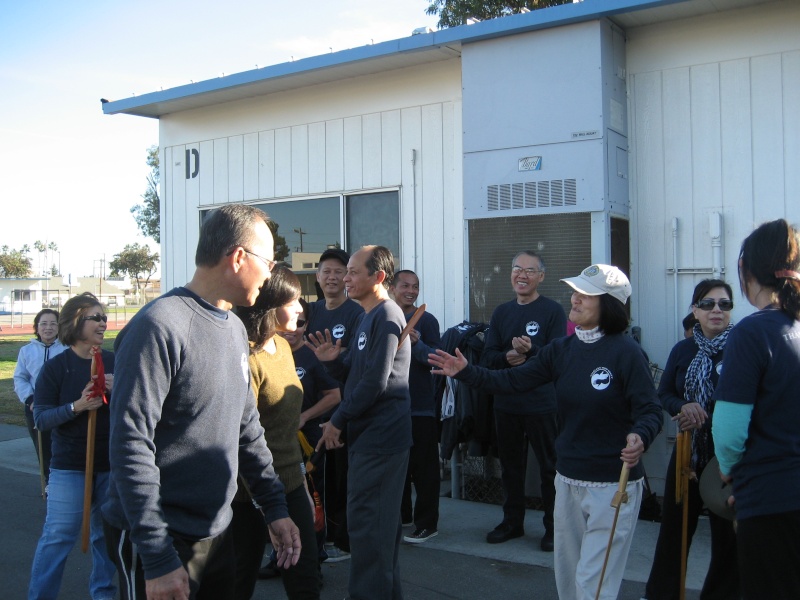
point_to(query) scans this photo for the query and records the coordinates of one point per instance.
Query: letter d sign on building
(189, 173)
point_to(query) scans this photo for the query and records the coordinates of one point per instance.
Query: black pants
(336, 497)
(210, 564)
(302, 581)
(514, 433)
(423, 472)
(769, 556)
(47, 453)
(722, 579)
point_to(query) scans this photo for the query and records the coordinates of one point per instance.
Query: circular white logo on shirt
(601, 378)
(301, 372)
(532, 328)
(338, 331)
(362, 340)
(719, 367)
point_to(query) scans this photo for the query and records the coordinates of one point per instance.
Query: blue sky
(69, 173)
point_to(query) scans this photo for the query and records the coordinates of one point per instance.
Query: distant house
(30, 295)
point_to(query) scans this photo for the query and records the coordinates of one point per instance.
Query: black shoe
(504, 532)
(420, 535)
(547, 544)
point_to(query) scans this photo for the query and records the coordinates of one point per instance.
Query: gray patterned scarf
(699, 389)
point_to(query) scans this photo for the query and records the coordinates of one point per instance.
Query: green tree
(148, 214)
(453, 13)
(53, 248)
(41, 248)
(15, 263)
(281, 247)
(137, 262)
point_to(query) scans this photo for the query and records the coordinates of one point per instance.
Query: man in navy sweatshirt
(423, 460)
(187, 424)
(517, 331)
(375, 411)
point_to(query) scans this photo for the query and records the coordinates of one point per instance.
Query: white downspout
(715, 231)
(678, 317)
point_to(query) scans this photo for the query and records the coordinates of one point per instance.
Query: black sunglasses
(96, 318)
(708, 304)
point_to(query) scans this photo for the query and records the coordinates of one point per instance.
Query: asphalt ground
(457, 564)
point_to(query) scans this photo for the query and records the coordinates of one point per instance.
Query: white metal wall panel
(191, 215)
(791, 123)
(450, 244)
(220, 171)
(166, 215)
(266, 164)
(250, 166)
(283, 162)
(432, 225)
(299, 160)
(316, 158)
(371, 145)
(353, 166)
(391, 148)
(768, 136)
(179, 224)
(206, 175)
(235, 169)
(334, 155)
(411, 209)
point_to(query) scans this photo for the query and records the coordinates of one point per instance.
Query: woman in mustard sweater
(279, 395)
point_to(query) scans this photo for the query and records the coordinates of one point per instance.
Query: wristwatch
(72, 408)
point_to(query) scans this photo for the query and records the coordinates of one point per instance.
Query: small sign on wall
(530, 163)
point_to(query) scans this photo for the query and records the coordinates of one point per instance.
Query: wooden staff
(411, 322)
(620, 498)
(683, 462)
(87, 484)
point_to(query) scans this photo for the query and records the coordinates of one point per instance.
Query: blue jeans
(62, 528)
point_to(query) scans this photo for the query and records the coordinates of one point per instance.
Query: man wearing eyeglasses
(186, 424)
(517, 330)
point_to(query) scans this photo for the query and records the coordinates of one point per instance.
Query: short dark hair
(613, 315)
(705, 286)
(532, 254)
(70, 320)
(260, 320)
(38, 317)
(396, 277)
(379, 258)
(771, 248)
(689, 322)
(224, 228)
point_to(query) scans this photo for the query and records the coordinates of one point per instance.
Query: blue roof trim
(555, 16)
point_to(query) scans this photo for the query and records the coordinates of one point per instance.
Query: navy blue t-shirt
(762, 365)
(420, 380)
(315, 380)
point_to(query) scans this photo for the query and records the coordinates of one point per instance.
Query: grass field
(11, 409)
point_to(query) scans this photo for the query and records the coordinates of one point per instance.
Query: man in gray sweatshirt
(186, 424)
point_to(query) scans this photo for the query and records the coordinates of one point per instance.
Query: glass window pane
(373, 219)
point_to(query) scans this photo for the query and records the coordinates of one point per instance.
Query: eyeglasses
(708, 304)
(95, 318)
(518, 270)
(271, 264)
(301, 322)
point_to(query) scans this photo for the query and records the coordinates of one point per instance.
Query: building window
(22, 295)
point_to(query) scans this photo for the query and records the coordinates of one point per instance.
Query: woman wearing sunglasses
(757, 416)
(279, 395)
(689, 378)
(62, 402)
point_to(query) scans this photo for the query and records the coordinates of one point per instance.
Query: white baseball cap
(601, 279)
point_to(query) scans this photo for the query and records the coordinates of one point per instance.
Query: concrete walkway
(458, 563)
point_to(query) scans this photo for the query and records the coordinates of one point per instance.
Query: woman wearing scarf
(686, 387)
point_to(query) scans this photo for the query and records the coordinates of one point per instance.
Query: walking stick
(683, 460)
(98, 390)
(620, 498)
(411, 322)
(41, 465)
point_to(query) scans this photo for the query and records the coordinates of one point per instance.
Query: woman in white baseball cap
(609, 414)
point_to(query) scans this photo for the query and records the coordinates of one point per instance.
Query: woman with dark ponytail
(756, 425)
